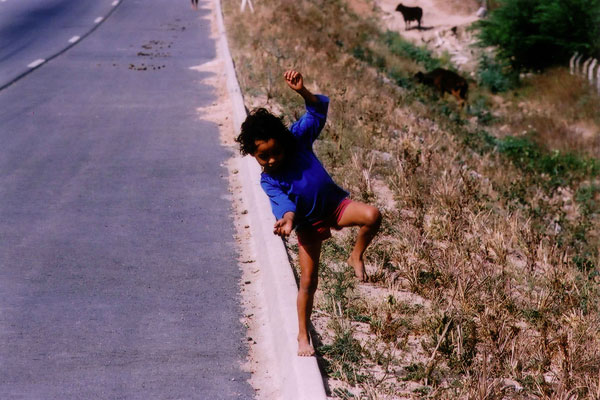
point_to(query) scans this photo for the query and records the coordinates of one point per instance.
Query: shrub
(535, 34)
(496, 75)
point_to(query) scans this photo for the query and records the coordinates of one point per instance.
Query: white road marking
(114, 3)
(98, 20)
(74, 39)
(36, 63)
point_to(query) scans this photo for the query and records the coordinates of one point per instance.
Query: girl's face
(269, 155)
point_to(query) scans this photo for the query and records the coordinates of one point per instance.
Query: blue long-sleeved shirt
(302, 185)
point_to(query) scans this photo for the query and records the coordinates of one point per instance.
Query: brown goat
(410, 14)
(446, 82)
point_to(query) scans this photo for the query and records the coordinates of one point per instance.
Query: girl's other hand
(283, 227)
(294, 79)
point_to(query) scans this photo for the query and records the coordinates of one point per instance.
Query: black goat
(410, 14)
(446, 82)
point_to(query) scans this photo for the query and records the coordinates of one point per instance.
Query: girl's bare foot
(305, 349)
(359, 268)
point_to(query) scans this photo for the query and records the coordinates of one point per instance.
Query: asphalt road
(33, 30)
(118, 272)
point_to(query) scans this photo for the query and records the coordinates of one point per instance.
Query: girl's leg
(369, 220)
(308, 255)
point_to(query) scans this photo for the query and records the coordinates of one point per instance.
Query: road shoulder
(260, 353)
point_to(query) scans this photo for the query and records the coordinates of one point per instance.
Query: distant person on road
(303, 195)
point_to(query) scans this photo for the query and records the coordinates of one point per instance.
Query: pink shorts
(321, 230)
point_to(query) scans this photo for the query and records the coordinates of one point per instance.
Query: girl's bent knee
(374, 216)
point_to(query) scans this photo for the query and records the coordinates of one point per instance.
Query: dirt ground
(439, 19)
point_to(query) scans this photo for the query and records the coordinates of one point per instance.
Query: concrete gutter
(300, 376)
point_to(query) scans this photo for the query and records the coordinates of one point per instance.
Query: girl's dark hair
(262, 125)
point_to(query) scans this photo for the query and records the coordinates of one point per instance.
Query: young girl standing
(303, 195)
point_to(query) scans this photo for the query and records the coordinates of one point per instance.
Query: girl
(302, 193)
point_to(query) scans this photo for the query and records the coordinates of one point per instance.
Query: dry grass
(484, 276)
(559, 109)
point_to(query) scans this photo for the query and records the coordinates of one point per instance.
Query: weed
(414, 372)
(343, 393)
(338, 286)
(345, 355)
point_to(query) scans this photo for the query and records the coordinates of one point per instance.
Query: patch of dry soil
(443, 27)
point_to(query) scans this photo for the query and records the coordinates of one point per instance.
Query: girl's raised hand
(294, 79)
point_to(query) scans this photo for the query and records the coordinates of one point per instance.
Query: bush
(535, 34)
(496, 75)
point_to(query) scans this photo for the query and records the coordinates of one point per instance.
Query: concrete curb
(300, 376)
